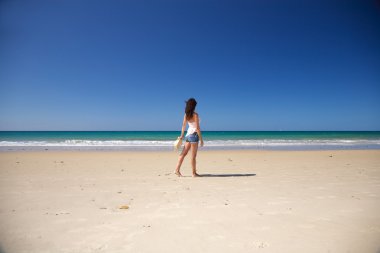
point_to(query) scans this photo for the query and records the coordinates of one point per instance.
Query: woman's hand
(180, 137)
(202, 143)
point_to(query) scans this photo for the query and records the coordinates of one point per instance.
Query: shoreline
(214, 140)
(170, 149)
(200, 150)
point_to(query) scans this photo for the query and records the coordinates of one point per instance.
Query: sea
(163, 140)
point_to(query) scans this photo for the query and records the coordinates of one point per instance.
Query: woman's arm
(183, 126)
(199, 129)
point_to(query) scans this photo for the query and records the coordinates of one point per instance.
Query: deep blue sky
(130, 65)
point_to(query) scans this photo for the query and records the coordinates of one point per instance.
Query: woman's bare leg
(194, 150)
(181, 157)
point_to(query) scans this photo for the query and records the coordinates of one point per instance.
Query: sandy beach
(246, 201)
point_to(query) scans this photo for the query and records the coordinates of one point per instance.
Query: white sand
(252, 201)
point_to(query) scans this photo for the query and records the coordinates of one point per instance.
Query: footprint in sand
(260, 245)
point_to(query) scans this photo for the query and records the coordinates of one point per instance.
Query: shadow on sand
(227, 175)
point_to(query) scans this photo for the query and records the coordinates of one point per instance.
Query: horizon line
(185, 130)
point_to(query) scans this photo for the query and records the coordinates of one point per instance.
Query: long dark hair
(190, 107)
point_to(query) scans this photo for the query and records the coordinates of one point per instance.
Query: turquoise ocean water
(163, 140)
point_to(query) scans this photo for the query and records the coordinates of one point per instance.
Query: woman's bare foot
(178, 173)
(196, 175)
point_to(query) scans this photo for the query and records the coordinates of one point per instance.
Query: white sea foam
(86, 143)
(212, 144)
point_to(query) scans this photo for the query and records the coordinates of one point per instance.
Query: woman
(193, 136)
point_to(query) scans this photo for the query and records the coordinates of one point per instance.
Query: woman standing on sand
(193, 135)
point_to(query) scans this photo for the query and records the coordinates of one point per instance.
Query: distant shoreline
(170, 149)
(163, 140)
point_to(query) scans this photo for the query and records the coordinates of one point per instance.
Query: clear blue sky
(130, 65)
